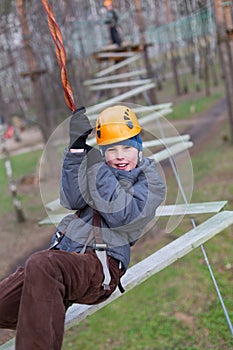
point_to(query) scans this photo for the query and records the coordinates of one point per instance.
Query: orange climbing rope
(61, 55)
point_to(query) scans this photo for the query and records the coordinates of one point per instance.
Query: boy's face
(122, 157)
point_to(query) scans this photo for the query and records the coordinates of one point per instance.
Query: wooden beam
(114, 67)
(163, 210)
(123, 54)
(54, 205)
(191, 208)
(114, 77)
(141, 109)
(120, 84)
(166, 141)
(33, 74)
(155, 115)
(171, 151)
(121, 97)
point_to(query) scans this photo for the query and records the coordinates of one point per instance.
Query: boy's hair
(134, 141)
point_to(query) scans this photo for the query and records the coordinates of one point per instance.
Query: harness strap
(99, 246)
(89, 238)
(100, 249)
(102, 256)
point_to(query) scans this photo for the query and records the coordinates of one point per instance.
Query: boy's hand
(80, 128)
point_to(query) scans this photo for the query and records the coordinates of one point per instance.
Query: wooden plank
(153, 116)
(52, 219)
(116, 66)
(10, 345)
(119, 98)
(120, 84)
(171, 151)
(123, 54)
(114, 77)
(152, 108)
(151, 265)
(191, 208)
(163, 210)
(53, 205)
(166, 141)
(142, 109)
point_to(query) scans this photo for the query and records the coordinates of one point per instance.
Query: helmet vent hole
(98, 134)
(126, 117)
(130, 124)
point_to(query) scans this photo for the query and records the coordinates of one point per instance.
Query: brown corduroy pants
(34, 299)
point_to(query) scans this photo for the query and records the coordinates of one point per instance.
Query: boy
(115, 192)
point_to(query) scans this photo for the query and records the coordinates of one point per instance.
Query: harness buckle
(100, 246)
(59, 236)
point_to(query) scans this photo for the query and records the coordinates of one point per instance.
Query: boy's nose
(119, 155)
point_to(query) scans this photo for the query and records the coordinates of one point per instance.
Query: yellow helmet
(116, 124)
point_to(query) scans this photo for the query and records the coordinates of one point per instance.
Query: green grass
(21, 165)
(177, 309)
(196, 101)
(200, 104)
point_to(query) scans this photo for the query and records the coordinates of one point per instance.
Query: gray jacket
(126, 201)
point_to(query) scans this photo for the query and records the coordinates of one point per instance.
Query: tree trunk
(45, 123)
(226, 51)
(141, 26)
(174, 61)
(11, 183)
(206, 69)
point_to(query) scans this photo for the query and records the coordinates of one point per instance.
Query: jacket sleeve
(73, 183)
(132, 200)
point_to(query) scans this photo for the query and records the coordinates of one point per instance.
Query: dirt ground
(18, 241)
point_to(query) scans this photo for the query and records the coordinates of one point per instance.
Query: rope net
(61, 55)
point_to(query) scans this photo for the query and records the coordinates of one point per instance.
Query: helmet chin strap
(139, 156)
(139, 152)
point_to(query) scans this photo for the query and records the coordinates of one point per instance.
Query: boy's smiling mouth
(121, 165)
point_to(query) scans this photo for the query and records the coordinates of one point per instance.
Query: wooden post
(225, 43)
(12, 186)
(46, 124)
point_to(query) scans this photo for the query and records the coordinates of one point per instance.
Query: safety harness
(99, 246)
